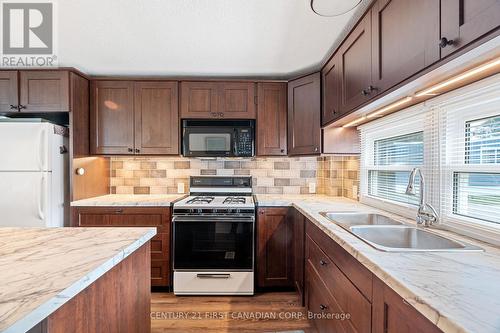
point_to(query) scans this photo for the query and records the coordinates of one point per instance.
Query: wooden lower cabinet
(299, 234)
(342, 295)
(330, 293)
(392, 314)
(118, 301)
(135, 217)
(274, 248)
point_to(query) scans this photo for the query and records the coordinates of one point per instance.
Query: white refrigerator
(33, 174)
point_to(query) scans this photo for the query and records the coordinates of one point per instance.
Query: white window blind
(471, 158)
(392, 147)
(455, 139)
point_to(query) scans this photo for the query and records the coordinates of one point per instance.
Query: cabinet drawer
(360, 277)
(320, 303)
(160, 272)
(346, 295)
(159, 246)
(123, 217)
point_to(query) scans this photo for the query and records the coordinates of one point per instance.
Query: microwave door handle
(235, 138)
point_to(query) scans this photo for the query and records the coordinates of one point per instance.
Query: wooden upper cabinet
(199, 99)
(271, 119)
(356, 63)
(44, 91)
(216, 100)
(156, 118)
(112, 117)
(330, 76)
(8, 91)
(274, 248)
(405, 39)
(237, 100)
(467, 20)
(304, 109)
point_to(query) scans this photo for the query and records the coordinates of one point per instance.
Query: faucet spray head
(410, 189)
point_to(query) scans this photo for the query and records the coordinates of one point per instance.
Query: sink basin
(349, 219)
(407, 239)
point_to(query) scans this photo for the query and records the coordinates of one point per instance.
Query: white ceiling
(194, 37)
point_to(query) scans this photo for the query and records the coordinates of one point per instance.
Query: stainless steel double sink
(390, 235)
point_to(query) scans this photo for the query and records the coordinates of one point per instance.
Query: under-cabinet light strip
(460, 77)
(390, 107)
(428, 91)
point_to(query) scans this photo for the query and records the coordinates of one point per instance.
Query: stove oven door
(213, 243)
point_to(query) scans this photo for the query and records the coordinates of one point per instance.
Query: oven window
(209, 142)
(213, 245)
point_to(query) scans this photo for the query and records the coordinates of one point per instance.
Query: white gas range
(213, 237)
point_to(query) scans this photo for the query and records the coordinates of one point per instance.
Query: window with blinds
(477, 194)
(394, 157)
(455, 140)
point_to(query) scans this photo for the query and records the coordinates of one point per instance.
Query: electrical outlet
(312, 188)
(180, 188)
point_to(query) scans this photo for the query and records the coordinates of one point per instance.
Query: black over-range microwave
(218, 138)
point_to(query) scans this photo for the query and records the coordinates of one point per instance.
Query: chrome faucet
(426, 214)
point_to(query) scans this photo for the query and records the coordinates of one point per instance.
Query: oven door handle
(212, 219)
(213, 276)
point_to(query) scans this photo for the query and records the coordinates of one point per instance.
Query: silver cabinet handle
(213, 276)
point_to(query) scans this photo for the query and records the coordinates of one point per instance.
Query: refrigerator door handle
(41, 150)
(41, 198)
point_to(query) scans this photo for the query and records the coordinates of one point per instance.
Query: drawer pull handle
(213, 276)
(323, 307)
(119, 211)
(323, 263)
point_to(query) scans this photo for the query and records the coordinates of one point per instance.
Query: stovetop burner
(234, 200)
(201, 200)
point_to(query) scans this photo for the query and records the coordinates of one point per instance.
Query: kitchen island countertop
(43, 268)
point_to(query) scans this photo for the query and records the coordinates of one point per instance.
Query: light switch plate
(180, 188)
(312, 188)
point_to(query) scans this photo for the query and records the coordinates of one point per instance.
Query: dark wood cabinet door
(112, 117)
(304, 109)
(44, 91)
(156, 118)
(464, 21)
(274, 248)
(299, 231)
(8, 91)
(392, 314)
(330, 76)
(271, 119)
(237, 100)
(199, 100)
(135, 217)
(356, 63)
(405, 39)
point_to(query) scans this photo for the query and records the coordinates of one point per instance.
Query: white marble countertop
(130, 200)
(43, 268)
(458, 291)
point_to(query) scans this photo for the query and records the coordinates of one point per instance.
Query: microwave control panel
(245, 142)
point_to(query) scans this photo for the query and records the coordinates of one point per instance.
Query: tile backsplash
(339, 176)
(333, 175)
(151, 175)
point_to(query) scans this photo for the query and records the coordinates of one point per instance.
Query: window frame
(476, 101)
(402, 123)
(471, 109)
